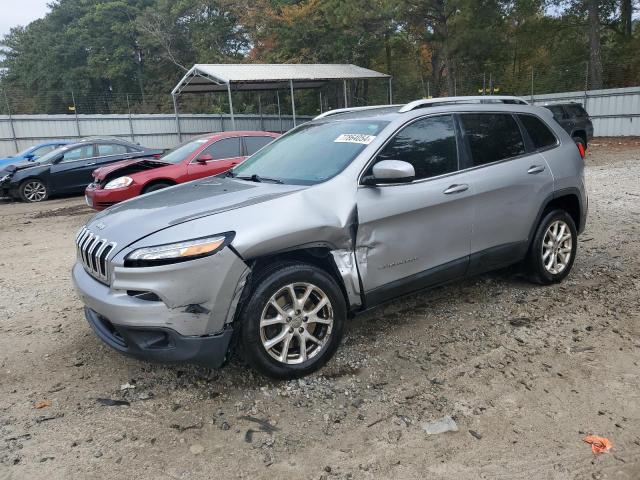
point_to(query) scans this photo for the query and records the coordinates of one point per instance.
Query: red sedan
(203, 156)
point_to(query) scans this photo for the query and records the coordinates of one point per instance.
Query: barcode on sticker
(355, 138)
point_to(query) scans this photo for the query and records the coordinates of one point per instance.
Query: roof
(423, 103)
(203, 78)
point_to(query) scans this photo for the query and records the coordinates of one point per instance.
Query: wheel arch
(567, 200)
(157, 181)
(319, 255)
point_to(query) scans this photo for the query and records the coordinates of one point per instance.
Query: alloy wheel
(296, 323)
(35, 191)
(557, 247)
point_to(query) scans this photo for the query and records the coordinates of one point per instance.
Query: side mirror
(58, 159)
(390, 171)
(204, 158)
(29, 156)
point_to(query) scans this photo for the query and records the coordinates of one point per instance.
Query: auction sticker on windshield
(355, 138)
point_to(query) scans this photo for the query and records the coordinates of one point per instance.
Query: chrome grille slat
(94, 253)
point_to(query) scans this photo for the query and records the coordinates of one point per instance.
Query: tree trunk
(595, 54)
(626, 16)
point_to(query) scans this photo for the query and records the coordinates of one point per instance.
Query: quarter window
(540, 134)
(256, 143)
(428, 144)
(492, 137)
(225, 148)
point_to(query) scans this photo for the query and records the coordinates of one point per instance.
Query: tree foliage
(97, 48)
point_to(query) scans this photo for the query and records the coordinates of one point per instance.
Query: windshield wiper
(229, 173)
(259, 179)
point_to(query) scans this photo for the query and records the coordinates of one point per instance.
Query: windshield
(24, 152)
(312, 153)
(183, 150)
(51, 155)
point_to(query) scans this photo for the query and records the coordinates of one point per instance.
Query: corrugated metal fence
(615, 112)
(159, 131)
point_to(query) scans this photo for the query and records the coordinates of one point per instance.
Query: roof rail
(337, 111)
(435, 102)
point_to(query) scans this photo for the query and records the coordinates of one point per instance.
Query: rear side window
(111, 149)
(575, 110)
(428, 144)
(540, 134)
(557, 111)
(256, 143)
(225, 148)
(492, 137)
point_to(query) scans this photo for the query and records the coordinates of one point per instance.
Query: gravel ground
(525, 371)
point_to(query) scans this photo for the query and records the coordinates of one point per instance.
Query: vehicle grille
(93, 253)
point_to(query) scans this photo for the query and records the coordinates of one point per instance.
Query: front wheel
(33, 190)
(554, 248)
(293, 322)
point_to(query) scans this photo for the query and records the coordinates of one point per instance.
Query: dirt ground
(525, 371)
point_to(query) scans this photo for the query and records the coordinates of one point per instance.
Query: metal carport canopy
(209, 78)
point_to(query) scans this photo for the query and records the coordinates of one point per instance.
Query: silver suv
(337, 216)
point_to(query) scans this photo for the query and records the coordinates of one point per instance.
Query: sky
(20, 12)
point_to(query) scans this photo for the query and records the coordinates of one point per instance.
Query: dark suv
(574, 119)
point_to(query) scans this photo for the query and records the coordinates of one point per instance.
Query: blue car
(34, 152)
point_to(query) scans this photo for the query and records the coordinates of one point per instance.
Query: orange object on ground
(598, 444)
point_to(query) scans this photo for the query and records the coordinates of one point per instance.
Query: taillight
(581, 149)
(157, 155)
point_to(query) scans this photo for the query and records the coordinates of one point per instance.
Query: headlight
(119, 183)
(178, 252)
(5, 178)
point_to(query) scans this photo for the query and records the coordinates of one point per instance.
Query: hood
(127, 167)
(18, 164)
(139, 217)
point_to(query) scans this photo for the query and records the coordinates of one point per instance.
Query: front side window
(313, 152)
(492, 137)
(254, 144)
(183, 151)
(540, 134)
(428, 144)
(225, 148)
(78, 153)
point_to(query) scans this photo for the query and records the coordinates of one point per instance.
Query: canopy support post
(320, 92)
(293, 104)
(279, 112)
(233, 118)
(390, 90)
(344, 89)
(175, 111)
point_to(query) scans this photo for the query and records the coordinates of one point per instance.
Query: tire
(259, 345)
(581, 141)
(542, 266)
(155, 186)
(33, 190)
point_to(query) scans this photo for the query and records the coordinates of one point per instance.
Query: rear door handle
(536, 169)
(89, 164)
(456, 189)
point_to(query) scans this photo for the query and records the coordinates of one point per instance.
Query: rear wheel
(293, 322)
(33, 190)
(554, 248)
(156, 186)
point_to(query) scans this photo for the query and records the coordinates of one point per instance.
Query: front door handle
(456, 189)
(536, 169)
